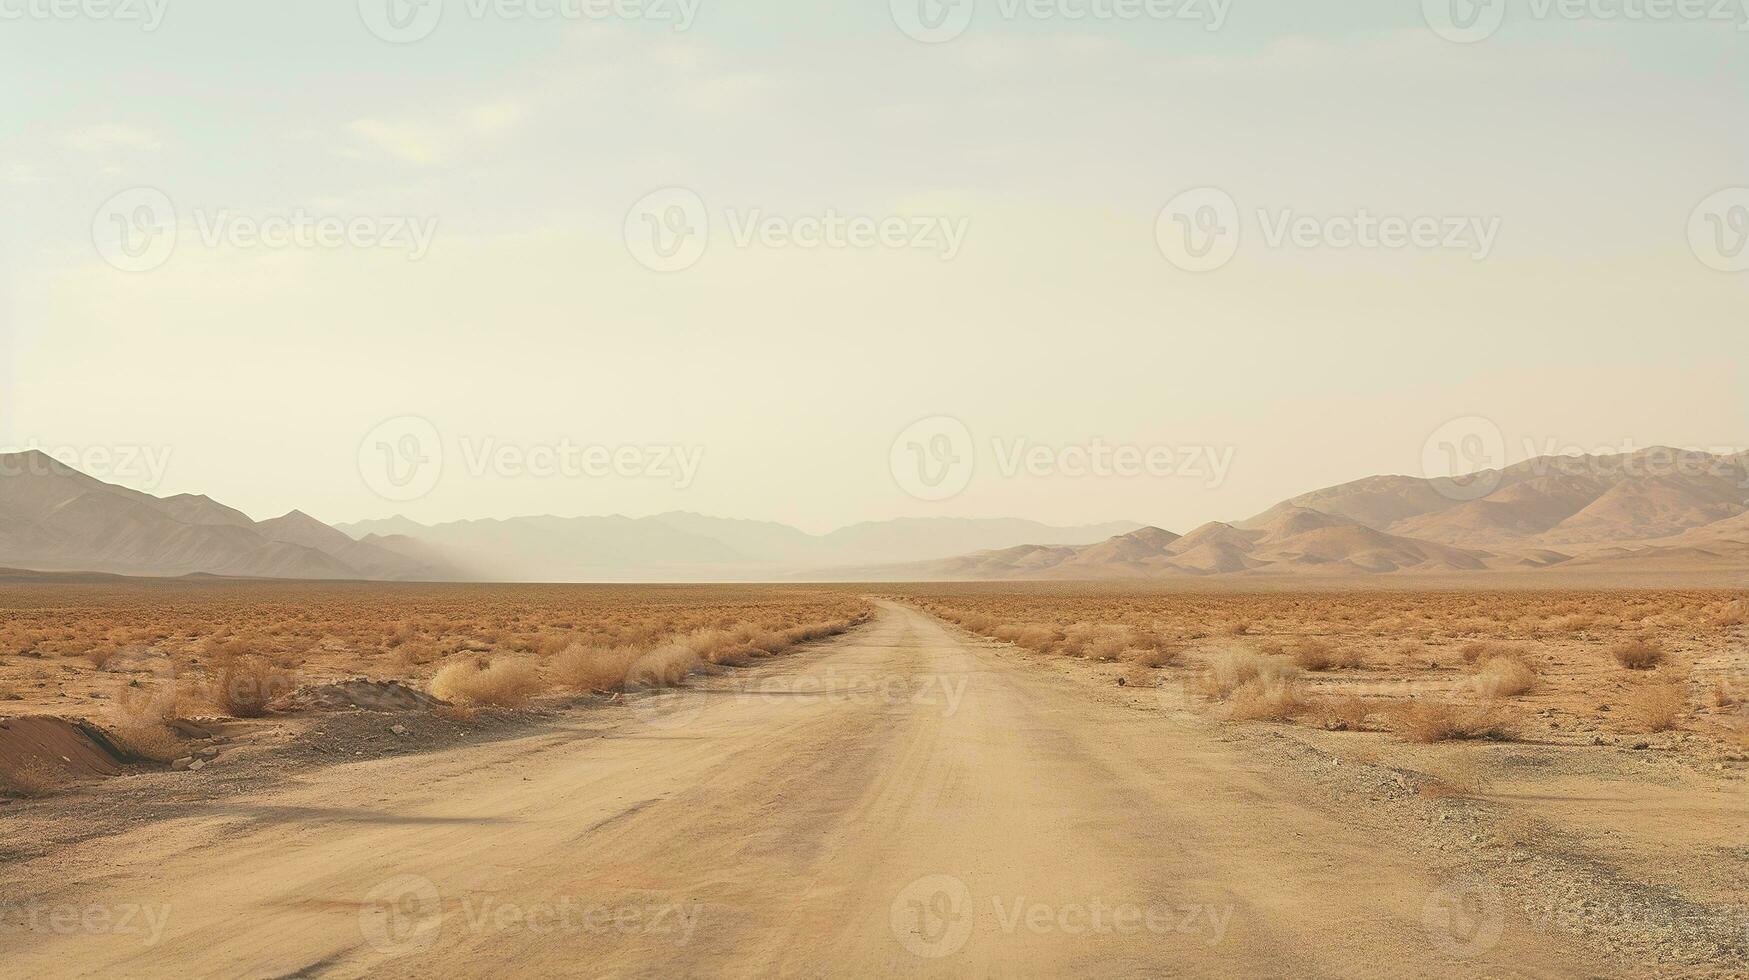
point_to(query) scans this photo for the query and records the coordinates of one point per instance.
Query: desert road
(898, 801)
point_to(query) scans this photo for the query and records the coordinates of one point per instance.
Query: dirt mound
(35, 747)
(360, 694)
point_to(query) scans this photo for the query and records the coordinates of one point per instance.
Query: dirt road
(895, 802)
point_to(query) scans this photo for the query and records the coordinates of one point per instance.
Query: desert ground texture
(221, 778)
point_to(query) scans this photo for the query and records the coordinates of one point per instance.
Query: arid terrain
(339, 780)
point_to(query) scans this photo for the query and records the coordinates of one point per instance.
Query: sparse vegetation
(1504, 676)
(1656, 707)
(1638, 654)
(1442, 721)
(507, 682)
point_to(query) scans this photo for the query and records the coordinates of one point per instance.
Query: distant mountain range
(689, 547)
(1658, 510)
(54, 518)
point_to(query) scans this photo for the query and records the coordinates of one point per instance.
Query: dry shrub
(1656, 707)
(506, 682)
(34, 778)
(245, 685)
(1108, 647)
(1461, 775)
(415, 653)
(1345, 714)
(1315, 654)
(1268, 699)
(1482, 651)
(666, 666)
(1158, 656)
(588, 668)
(101, 655)
(1440, 721)
(1638, 654)
(461, 714)
(1230, 670)
(140, 726)
(1504, 677)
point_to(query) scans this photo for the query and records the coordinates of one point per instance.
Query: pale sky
(263, 376)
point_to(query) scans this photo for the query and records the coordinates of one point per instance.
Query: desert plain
(223, 777)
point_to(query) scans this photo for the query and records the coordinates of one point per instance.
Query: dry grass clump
(1639, 654)
(32, 780)
(1504, 677)
(1482, 651)
(1656, 707)
(244, 685)
(1345, 714)
(505, 682)
(140, 726)
(587, 668)
(1230, 670)
(1312, 653)
(1442, 721)
(666, 666)
(1275, 698)
(1460, 776)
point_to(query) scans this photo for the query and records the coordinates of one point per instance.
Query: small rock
(1642, 745)
(210, 752)
(182, 763)
(402, 729)
(197, 765)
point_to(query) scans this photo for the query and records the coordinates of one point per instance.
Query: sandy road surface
(895, 802)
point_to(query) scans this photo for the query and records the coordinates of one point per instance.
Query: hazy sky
(486, 288)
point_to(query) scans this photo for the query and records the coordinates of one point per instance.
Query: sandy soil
(905, 799)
